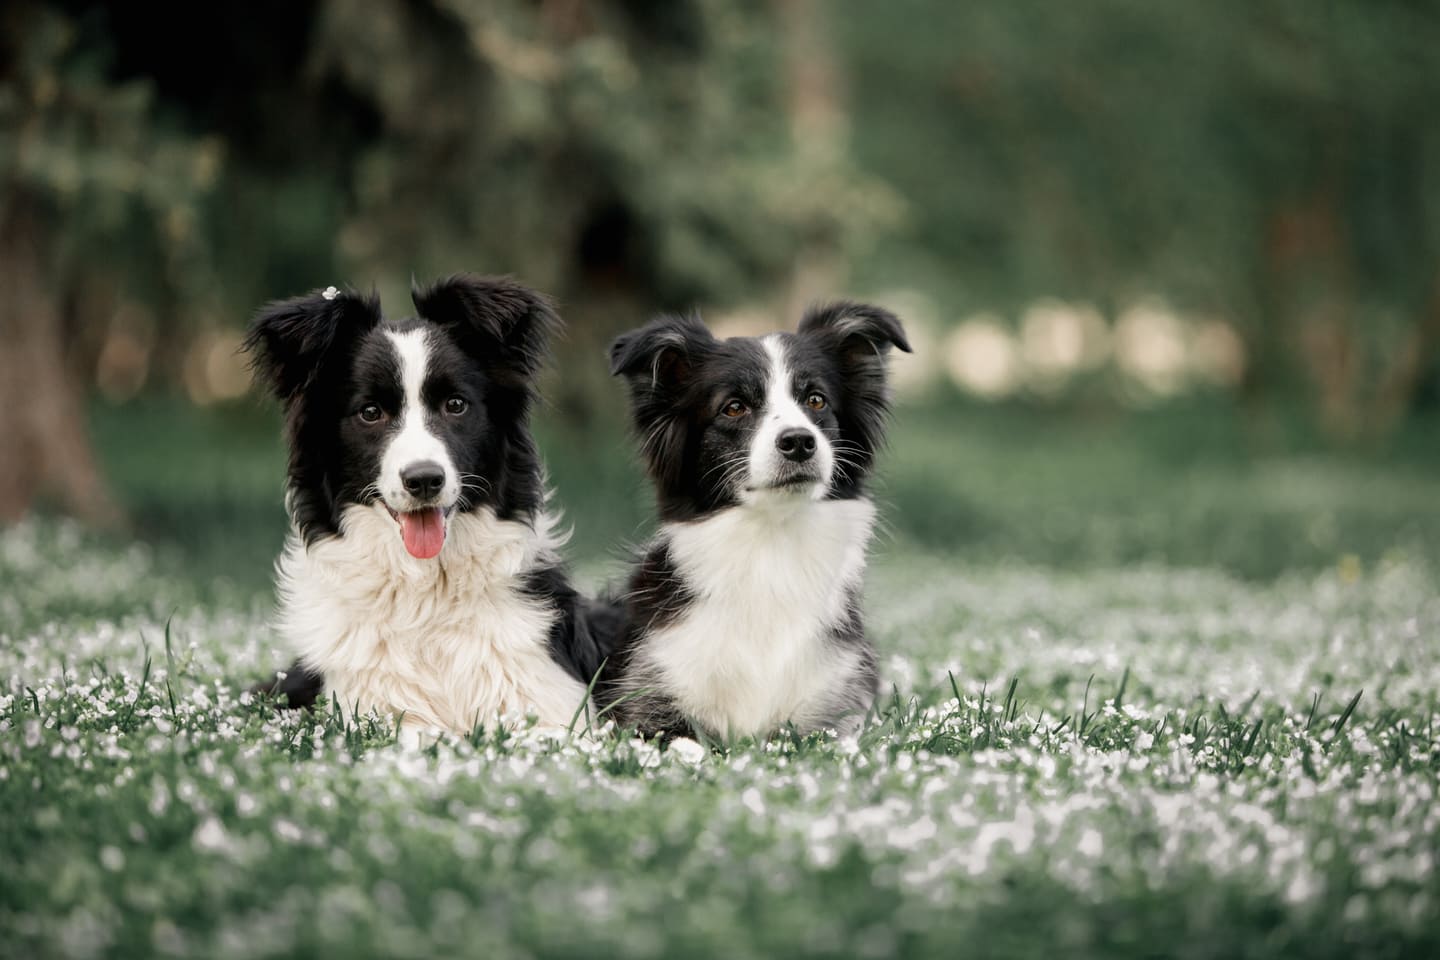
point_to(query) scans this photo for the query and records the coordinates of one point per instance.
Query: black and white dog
(744, 614)
(421, 577)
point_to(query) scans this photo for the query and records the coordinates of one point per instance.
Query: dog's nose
(424, 479)
(797, 444)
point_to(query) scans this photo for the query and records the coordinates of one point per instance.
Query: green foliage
(1175, 488)
(623, 150)
(639, 144)
(1274, 164)
(1185, 487)
(1124, 146)
(115, 190)
(624, 158)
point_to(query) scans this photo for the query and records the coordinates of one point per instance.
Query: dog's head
(427, 415)
(726, 422)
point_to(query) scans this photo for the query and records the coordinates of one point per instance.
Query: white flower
(687, 751)
(211, 836)
(111, 858)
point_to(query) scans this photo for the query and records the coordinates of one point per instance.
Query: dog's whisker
(734, 462)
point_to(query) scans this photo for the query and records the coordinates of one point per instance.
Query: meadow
(1157, 685)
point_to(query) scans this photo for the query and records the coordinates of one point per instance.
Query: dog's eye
(734, 409)
(816, 401)
(455, 406)
(371, 413)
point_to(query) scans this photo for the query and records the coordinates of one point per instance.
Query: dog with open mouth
(743, 615)
(421, 577)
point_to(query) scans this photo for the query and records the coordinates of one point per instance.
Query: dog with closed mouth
(743, 615)
(421, 577)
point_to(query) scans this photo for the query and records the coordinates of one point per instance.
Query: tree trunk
(816, 111)
(45, 449)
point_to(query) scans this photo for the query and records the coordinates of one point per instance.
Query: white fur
(781, 412)
(750, 653)
(414, 443)
(449, 643)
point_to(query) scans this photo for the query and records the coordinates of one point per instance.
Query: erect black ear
(496, 319)
(661, 353)
(859, 336)
(289, 340)
(860, 329)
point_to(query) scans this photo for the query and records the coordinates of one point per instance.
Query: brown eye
(456, 406)
(734, 409)
(816, 401)
(371, 413)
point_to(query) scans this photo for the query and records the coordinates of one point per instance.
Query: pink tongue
(424, 532)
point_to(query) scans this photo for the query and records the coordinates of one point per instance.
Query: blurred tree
(1277, 163)
(1273, 162)
(627, 156)
(88, 185)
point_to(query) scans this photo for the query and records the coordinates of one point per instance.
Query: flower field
(1131, 761)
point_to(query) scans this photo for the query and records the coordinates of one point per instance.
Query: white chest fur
(451, 642)
(751, 652)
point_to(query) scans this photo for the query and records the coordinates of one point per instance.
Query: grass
(1199, 487)
(1112, 730)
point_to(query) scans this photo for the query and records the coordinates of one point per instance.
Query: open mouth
(422, 530)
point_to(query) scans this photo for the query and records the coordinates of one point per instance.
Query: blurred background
(1172, 270)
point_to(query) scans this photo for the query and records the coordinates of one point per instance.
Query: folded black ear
(661, 353)
(496, 319)
(861, 329)
(289, 340)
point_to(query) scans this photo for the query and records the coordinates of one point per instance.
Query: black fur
(680, 375)
(654, 596)
(301, 350)
(582, 633)
(851, 340)
(325, 358)
(299, 688)
(681, 378)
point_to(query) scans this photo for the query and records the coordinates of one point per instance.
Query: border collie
(743, 615)
(421, 577)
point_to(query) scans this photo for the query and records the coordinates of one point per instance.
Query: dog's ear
(860, 330)
(661, 354)
(289, 340)
(497, 320)
(859, 336)
(658, 359)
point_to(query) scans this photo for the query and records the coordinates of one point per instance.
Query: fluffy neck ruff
(758, 625)
(451, 643)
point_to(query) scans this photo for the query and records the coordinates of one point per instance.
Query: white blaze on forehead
(413, 443)
(414, 353)
(780, 404)
(781, 412)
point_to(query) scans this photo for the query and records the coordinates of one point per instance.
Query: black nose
(423, 479)
(796, 444)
